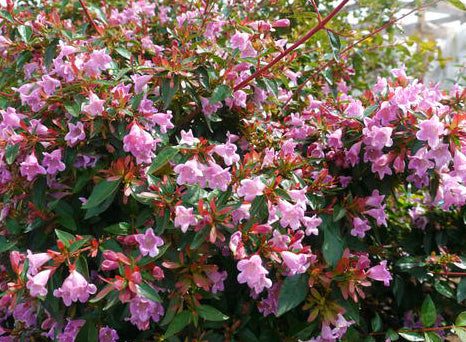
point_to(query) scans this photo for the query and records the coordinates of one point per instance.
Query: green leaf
(259, 211)
(333, 245)
(461, 319)
(169, 89)
(371, 109)
(65, 237)
(335, 44)
(444, 289)
(461, 333)
(220, 93)
(203, 76)
(11, 153)
(88, 333)
(376, 323)
(411, 336)
(121, 228)
(428, 312)
(461, 290)
(147, 291)
(6, 15)
(294, 290)
(101, 192)
(162, 159)
(209, 313)
(25, 32)
(338, 213)
(391, 335)
(199, 238)
(180, 321)
(432, 337)
(123, 52)
(458, 4)
(5, 245)
(407, 263)
(50, 52)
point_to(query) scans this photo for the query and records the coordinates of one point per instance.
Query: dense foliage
(170, 171)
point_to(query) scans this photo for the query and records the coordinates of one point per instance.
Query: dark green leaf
(461, 290)
(50, 52)
(65, 237)
(5, 245)
(391, 335)
(209, 313)
(83, 267)
(444, 289)
(220, 93)
(162, 159)
(88, 333)
(121, 228)
(180, 321)
(292, 293)
(199, 238)
(147, 291)
(169, 89)
(432, 337)
(123, 53)
(101, 192)
(338, 213)
(6, 15)
(333, 245)
(376, 323)
(78, 244)
(259, 211)
(407, 263)
(203, 76)
(11, 153)
(428, 312)
(25, 32)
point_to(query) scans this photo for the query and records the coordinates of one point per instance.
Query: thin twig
(88, 15)
(291, 48)
(418, 330)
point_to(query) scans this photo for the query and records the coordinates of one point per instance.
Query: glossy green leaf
(458, 4)
(11, 153)
(88, 333)
(209, 313)
(121, 228)
(101, 192)
(292, 293)
(178, 323)
(5, 245)
(461, 333)
(376, 323)
(432, 337)
(411, 336)
(335, 44)
(65, 237)
(147, 291)
(161, 159)
(461, 319)
(461, 290)
(333, 245)
(25, 32)
(428, 312)
(169, 89)
(220, 93)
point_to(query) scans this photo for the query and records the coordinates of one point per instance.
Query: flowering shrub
(166, 175)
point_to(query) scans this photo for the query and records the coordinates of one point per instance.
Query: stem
(88, 15)
(418, 330)
(351, 46)
(460, 274)
(291, 48)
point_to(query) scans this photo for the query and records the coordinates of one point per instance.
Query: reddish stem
(291, 48)
(417, 330)
(88, 15)
(460, 274)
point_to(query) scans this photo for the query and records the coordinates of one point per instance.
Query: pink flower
(94, 107)
(279, 240)
(184, 218)
(355, 108)
(75, 288)
(254, 274)
(360, 227)
(140, 81)
(98, 60)
(311, 224)
(281, 23)
(189, 172)
(296, 263)
(148, 243)
(76, 133)
(378, 137)
(30, 168)
(334, 139)
(49, 84)
(227, 152)
(142, 310)
(382, 166)
(250, 188)
(430, 130)
(380, 273)
(140, 143)
(71, 331)
(162, 120)
(208, 109)
(242, 213)
(217, 278)
(52, 161)
(187, 138)
(11, 118)
(36, 284)
(107, 334)
(217, 177)
(36, 261)
(291, 215)
(353, 154)
(239, 40)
